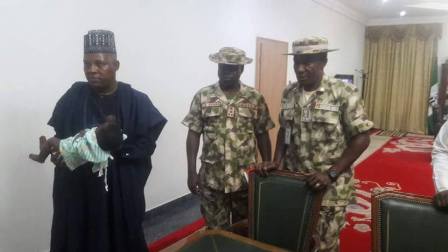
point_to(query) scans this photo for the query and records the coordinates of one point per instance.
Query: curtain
(398, 62)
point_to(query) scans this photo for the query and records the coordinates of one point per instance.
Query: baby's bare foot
(36, 158)
(42, 141)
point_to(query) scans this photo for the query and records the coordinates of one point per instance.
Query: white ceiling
(374, 9)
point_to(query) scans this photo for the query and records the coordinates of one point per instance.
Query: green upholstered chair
(283, 210)
(407, 222)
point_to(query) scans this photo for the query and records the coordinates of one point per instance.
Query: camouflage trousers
(221, 210)
(331, 222)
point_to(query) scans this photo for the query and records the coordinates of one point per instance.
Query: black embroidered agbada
(87, 218)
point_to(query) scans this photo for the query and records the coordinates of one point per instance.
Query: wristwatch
(332, 174)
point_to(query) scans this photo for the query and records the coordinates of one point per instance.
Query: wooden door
(271, 67)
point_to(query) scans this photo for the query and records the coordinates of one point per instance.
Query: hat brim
(215, 58)
(312, 52)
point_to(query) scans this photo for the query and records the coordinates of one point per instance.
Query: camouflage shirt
(317, 131)
(228, 127)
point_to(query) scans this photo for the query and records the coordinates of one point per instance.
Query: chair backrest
(407, 222)
(283, 210)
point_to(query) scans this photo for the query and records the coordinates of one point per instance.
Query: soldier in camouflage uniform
(323, 131)
(233, 119)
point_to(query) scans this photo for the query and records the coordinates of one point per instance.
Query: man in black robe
(86, 217)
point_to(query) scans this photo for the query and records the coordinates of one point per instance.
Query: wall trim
(407, 20)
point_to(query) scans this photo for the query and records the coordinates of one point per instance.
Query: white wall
(163, 47)
(442, 54)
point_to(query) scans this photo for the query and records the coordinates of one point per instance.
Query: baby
(91, 145)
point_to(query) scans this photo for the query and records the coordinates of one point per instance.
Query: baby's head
(109, 135)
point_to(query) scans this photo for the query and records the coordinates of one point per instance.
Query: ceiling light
(385, 1)
(402, 13)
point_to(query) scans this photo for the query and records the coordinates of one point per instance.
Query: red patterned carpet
(176, 235)
(402, 164)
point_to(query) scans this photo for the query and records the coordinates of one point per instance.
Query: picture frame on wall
(347, 78)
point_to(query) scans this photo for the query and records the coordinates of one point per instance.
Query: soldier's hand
(318, 180)
(441, 199)
(193, 183)
(265, 167)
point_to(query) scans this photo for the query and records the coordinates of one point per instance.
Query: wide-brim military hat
(230, 56)
(311, 45)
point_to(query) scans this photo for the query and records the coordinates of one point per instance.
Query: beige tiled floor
(376, 142)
